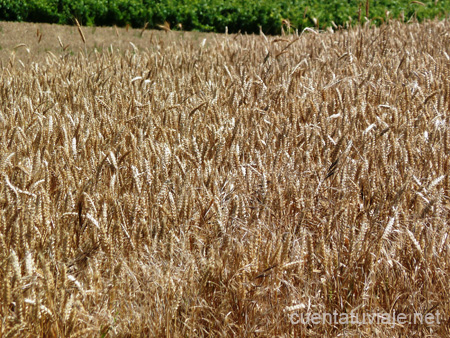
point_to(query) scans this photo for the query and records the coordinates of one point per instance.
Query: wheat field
(211, 188)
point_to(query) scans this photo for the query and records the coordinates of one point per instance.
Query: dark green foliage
(13, 10)
(216, 15)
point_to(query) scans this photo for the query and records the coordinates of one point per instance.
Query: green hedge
(215, 15)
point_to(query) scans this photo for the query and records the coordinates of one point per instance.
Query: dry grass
(208, 189)
(33, 42)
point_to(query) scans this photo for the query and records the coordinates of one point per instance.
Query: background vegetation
(215, 15)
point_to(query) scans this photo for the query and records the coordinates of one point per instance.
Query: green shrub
(13, 10)
(43, 11)
(216, 15)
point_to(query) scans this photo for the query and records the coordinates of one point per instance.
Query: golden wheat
(210, 188)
